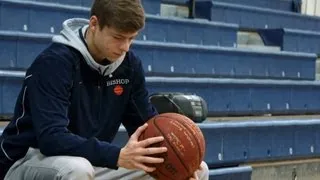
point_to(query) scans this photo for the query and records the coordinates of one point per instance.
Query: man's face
(111, 43)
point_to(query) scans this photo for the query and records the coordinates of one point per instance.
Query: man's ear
(93, 23)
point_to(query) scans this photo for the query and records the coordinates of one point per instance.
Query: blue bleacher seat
(30, 17)
(178, 59)
(67, 2)
(227, 96)
(165, 29)
(10, 85)
(33, 16)
(188, 60)
(245, 96)
(292, 39)
(239, 142)
(1, 97)
(86, 3)
(150, 6)
(19, 49)
(7, 51)
(254, 17)
(10, 89)
(283, 5)
(233, 143)
(231, 173)
(251, 141)
(175, 2)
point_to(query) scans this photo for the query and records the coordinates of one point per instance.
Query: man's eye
(116, 37)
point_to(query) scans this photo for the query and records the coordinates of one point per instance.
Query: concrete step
(169, 10)
(259, 47)
(249, 38)
(303, 169)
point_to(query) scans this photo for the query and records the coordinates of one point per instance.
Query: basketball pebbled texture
(185, 143)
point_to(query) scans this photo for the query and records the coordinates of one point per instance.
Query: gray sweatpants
(36, 166)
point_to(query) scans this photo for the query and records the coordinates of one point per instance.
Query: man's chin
(115, 58)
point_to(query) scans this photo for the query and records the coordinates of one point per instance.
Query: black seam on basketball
(199, 147)
(172, 147)
(162, 135)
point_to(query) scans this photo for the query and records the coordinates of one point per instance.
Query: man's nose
(125, 46)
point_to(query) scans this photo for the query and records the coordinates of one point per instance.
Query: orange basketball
(185, 143)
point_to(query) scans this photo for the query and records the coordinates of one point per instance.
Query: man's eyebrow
(122, 36)
(116, 34)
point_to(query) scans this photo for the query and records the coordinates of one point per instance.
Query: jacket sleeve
(139, 109)
(48, 91)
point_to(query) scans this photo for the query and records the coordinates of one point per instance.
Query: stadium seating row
(283, 5)
(230, 173)
(187, 60)
(292, 39)
(19, 49)
(246, 96)
(33, 17)
(259, 17)
(30, 16)
(223, 96)
(233, 143)
(153, 6)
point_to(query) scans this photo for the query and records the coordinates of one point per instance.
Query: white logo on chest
(118, 81)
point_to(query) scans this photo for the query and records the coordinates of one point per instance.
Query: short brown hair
(123, 15)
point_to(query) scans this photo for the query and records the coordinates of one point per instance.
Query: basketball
(184, 141)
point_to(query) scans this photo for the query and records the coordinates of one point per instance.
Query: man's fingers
(145, 168)
(155, 150)
(138, 132)
(203, 166)
(150, 141)
(194, 177)
(150, 160)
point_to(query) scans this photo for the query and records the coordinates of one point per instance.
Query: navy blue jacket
(67, 108)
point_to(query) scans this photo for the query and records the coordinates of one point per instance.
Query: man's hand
(134, 155)
(195, 175)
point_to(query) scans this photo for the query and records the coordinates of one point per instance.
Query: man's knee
(55, 167)
(76, 168)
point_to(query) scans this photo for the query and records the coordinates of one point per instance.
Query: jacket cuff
(110, 156)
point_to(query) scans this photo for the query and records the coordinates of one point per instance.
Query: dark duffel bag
(190, 105)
